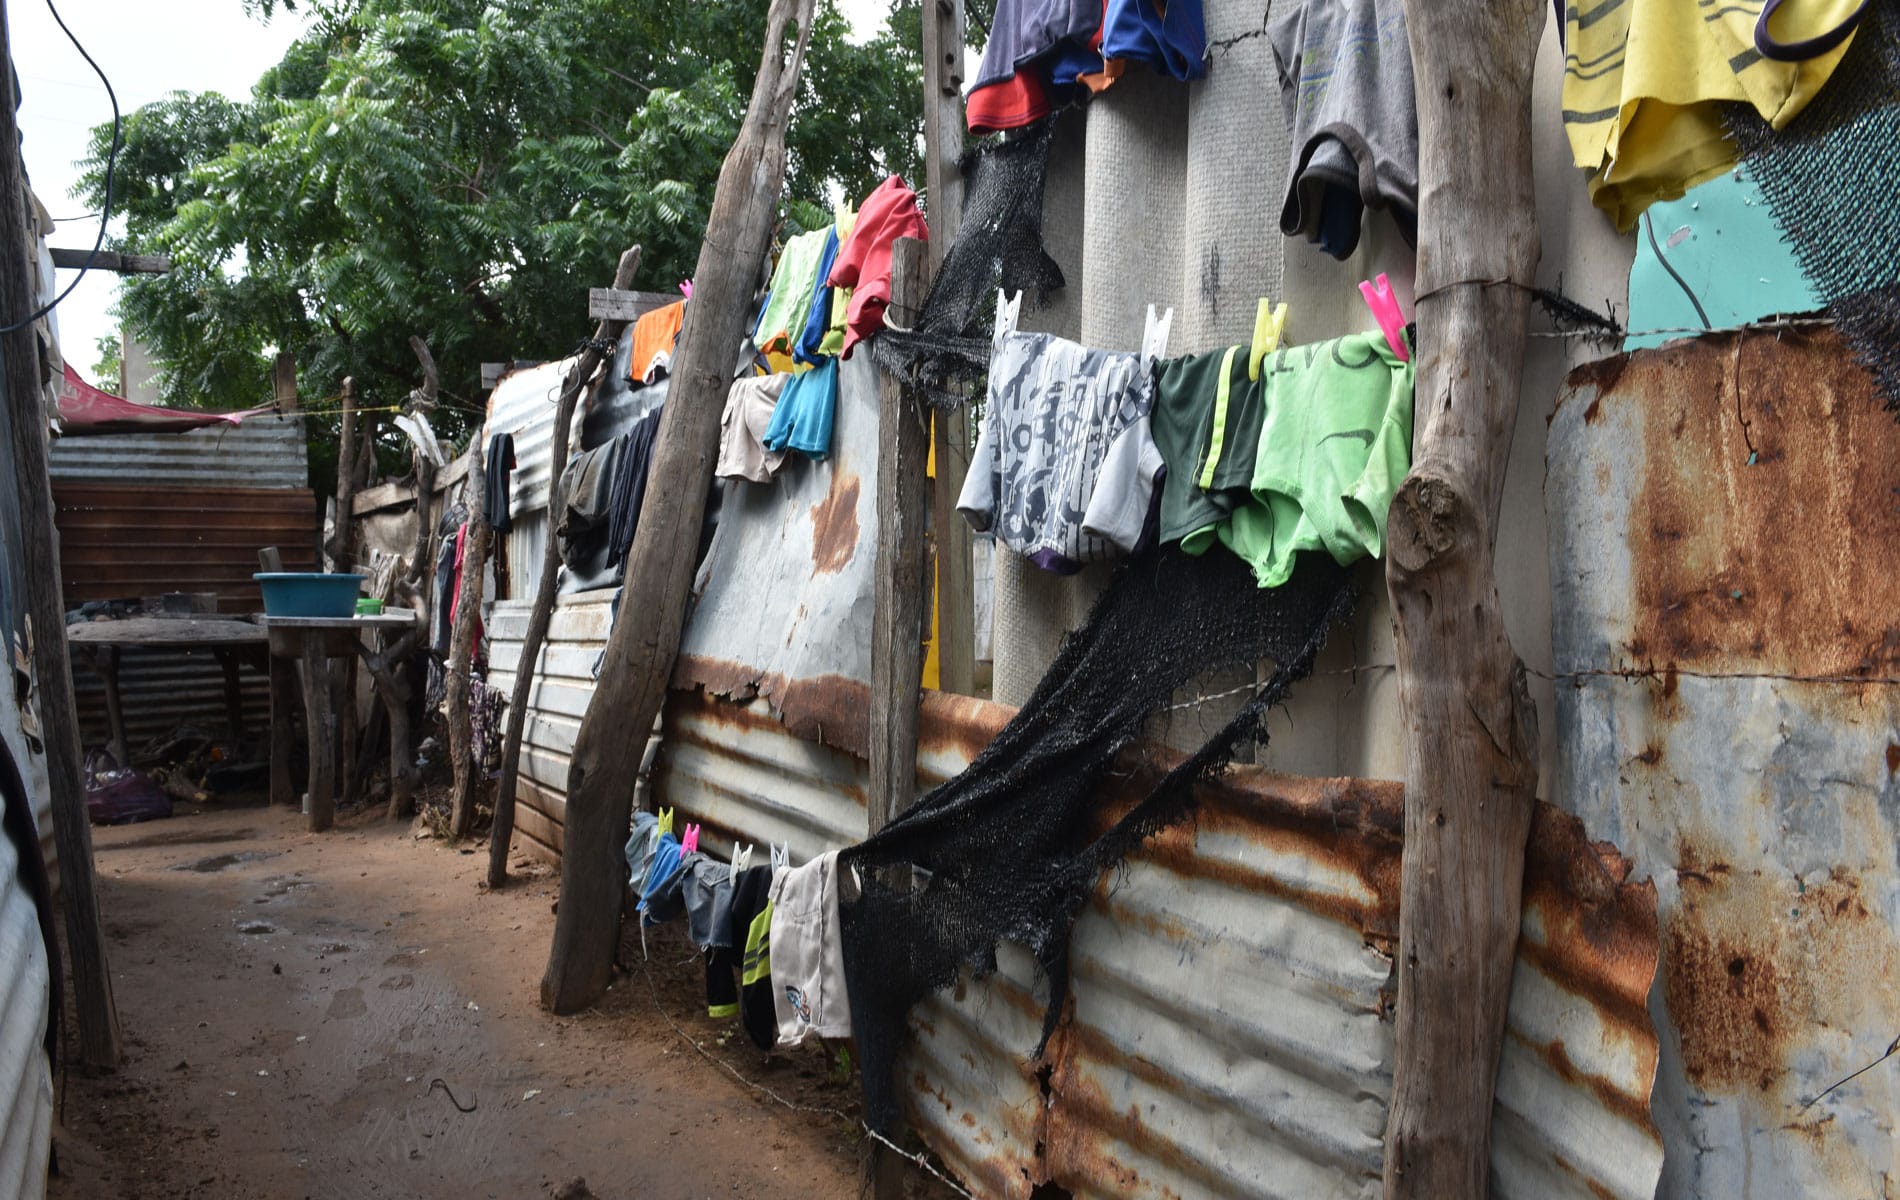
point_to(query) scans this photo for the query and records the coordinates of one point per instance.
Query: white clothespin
(741, 858)
(781, 858)
(1006, 309)
(1154, 334)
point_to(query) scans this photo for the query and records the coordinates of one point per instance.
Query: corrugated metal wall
(119, 541)
(1231, 1033)
(26, 1080)
(562, 689)
(263, 452)
(1726, 551)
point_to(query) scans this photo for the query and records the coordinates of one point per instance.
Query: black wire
(112, 159)
(1663, 260)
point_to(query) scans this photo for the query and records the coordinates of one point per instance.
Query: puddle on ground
(180, 837)
(256, 927)
(276, 886)
(224, 862)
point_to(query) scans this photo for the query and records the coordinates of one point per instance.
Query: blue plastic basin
(309, 593)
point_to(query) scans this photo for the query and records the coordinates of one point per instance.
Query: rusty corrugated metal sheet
(120, 542)
(1231, 1029)
(1725, 551)
(163, 689)
(263, 452)
(788, 598)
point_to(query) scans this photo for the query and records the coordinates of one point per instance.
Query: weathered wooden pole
(468, 610)
(950, 431)
(606, 334)
(30, 490)
(1469, 726)
(900, 617)
(645, 640)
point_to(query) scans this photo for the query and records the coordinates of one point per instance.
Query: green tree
(465, 170)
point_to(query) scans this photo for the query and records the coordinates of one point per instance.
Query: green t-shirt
(1334, 446)
(794, 282)
(1208, 476)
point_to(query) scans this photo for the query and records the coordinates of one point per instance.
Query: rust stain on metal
(828, 709)
(834, 525)
(1760, 551)
(1753, 962)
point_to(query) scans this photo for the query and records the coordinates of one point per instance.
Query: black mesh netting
(1009, 849)
(1830, 178)
(999, 244)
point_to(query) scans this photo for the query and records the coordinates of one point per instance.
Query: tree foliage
(465, 170)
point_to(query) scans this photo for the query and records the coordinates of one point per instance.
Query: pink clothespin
(690, 842)
(686, 288)
(1385, 309)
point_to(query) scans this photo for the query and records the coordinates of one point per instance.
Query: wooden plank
(950, 431)
(622, 305)
(665, 552)
(1466, 715)
(32, 496)
(899, 623)
(110, 260)
(320, 720)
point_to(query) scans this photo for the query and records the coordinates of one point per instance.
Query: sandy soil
(290, 1002)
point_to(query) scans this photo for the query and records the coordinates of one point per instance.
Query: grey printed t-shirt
(1346, 84)
(1057, 413)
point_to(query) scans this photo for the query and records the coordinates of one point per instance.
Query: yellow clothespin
(665, 823)
(1269, 322)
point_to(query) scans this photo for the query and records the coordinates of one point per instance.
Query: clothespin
(1385, 309)
(690, 842)
(1006, 310)
(686, 288)
(742, 859)
(1269, 322)
(1154, 334)
(781, 857)
(666, 821)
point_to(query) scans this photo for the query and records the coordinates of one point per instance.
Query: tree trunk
(1469, 726)
(542, 615)
(30, 490)
(468, 610)
(660, 565)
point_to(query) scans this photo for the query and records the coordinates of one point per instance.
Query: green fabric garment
(1187, 393)
(1335, 444)
(794, 281)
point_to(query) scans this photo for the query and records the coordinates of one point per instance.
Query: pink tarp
(84, 410)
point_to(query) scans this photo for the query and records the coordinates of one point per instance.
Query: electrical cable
(112, 161)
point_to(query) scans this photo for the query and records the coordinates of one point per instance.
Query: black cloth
(1009, 848)
(750, 892)
(722, 985)
(24, 834)
(630, 486)
(500, 468)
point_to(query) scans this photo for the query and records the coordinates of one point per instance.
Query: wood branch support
(74, 259)
(1469, 726)
(31, 496)
(900, 619)
(468, 610)
(283, 703)
(646, 638)
(320, 727)
(502, 832)
(950, 431)
(388, 667)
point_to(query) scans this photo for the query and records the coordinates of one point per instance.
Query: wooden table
(313, 641)
(233, 641)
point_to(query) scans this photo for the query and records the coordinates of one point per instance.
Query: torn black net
(946, 355)
(1830, 178)
(1010, 848)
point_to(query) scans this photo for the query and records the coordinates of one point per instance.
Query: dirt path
(291, 1000)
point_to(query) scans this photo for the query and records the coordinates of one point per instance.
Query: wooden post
(320, 722)
(284, 698)
(1469, 725)
(342, 550)
(105, 660)
(32, 494)
(468, 611)
(283, 382)
(900, 609)
(660, 566)
(385, 667)
(502, 832)
(950, 431)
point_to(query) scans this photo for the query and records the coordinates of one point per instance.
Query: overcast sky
(148, 48)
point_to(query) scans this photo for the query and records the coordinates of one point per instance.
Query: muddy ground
(309, 1015)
